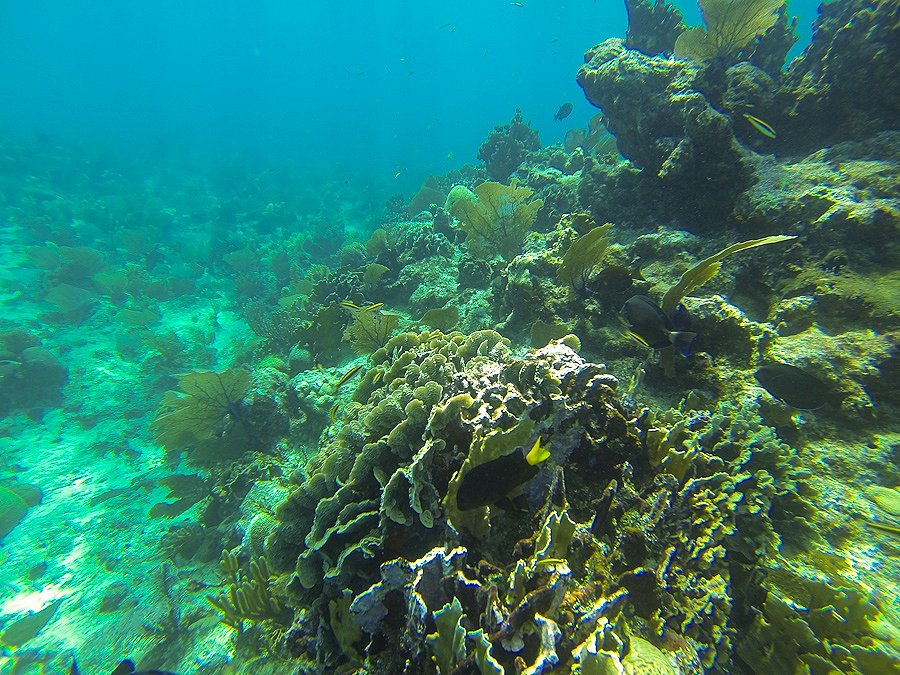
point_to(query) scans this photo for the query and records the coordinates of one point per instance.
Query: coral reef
(653, 28)
(507, 147)
(345, 386)
(663, 122)
(495, 217)
(432, 407)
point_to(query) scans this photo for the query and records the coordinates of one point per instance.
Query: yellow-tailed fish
(373, 306)
(762, 127)
(350, 305)
(332, 414)
(537, 454)
(377, 376)
(346, 376)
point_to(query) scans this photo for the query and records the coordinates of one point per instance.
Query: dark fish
(564, 111)
(796, 387)
(651, 327)
(126, 667)
(489, 483)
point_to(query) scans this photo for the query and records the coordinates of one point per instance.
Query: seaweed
(584, 254)
(706, 269)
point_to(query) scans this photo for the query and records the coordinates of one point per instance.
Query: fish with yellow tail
(345, 377)
(762, 127)
(490, 483)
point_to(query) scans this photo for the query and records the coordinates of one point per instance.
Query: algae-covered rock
(16, 499)
(844, 84)
(887, 499)
(662, 121)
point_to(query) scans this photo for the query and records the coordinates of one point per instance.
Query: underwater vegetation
(577, 409)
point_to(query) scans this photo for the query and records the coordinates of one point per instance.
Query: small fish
(517, 4)
(649, 325)
(346, 376)
(373, 307)
(796, 387)
(490, 483)
(564, 111)
(350, 305)
(332, 414)
(450, 156)
(126, 667)
(762, 127)
(377, 376)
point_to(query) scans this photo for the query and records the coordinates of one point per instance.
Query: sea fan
(731, 25)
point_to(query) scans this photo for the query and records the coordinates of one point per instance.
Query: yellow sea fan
(731, 25)
(495, 217)
(706, 269)
(584, 254)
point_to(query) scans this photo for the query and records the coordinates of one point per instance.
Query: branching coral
(249, 596)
